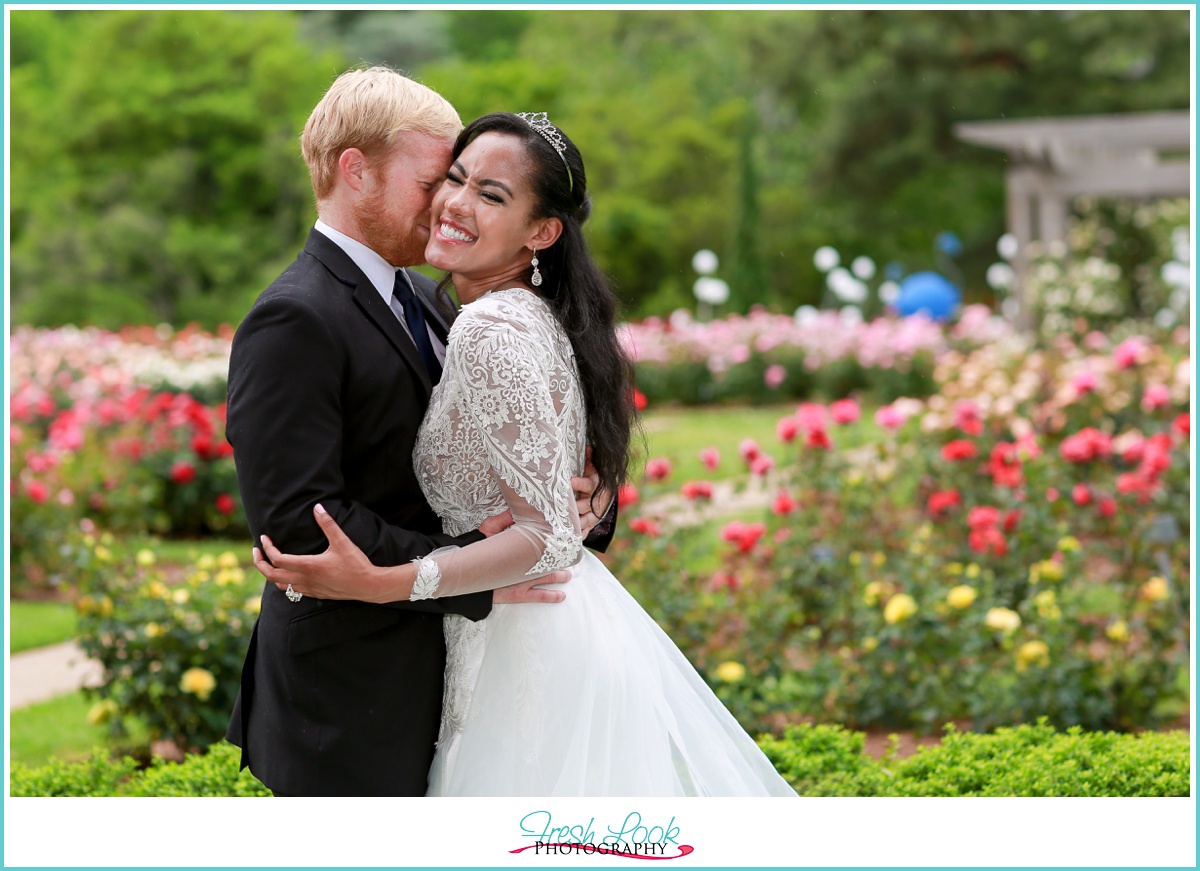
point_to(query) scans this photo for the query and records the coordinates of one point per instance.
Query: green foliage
(67, 727)
(36, 624)
(210, 774)
(157, 174)
(172, 653)
(1028, 760)
(99, 775)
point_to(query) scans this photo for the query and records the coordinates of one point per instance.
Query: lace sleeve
(512, 390)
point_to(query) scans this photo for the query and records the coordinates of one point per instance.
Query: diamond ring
(293, 595)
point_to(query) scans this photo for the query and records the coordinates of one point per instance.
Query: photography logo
(633, 839)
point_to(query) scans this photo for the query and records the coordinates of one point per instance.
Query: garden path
(41, 674)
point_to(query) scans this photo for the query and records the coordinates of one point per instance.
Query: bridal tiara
(541, 123)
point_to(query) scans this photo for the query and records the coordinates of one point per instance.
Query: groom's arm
(285, 424)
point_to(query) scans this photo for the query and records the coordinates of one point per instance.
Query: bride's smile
(484, 230)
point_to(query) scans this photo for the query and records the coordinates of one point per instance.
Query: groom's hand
(527, 591)
(592, 502)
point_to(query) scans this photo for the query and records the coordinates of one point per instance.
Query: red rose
(1011, 518)
(1081, 494)
(697, 490)
(988, 539)
(723, 581)
(749, 450)
(844, 411)
(762, 464)
(786, 429)
(645, 526)
(1005, 466)
(818, 438)
(183, 472)
(1183, 424)
(225, 503)
(943, 500)
(959, 449)
(627, 495)
(639, 400)
(983, 515)
(658, 469)
(783, 504)
(1107, 506)
(711, 458)
(37, 491)
(1051, 494)
(202, 444)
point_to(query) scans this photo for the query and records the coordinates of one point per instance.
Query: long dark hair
(577, 292)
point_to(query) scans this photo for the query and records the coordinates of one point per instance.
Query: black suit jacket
(326, 393)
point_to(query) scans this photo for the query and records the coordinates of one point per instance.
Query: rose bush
(1012, 546)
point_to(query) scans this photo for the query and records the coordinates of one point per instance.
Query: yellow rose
(1155, 590)
(253, 605)
(878, 559)
(731, 672)
(1068, 543)
(227, 560)
(145, 557)
(180, 597)
(870, 643)
(102, 712)
(961, 596)
(855, 558)
(103, 553)
(1118, 631)
(1002, 619)
(206, 562)
(1050, 570)
(1032, 653)
(106, 606)
(1047, 605)
(899, 607)
(158, 590)
(972, 571)
(916, 548)
(224, 577)
(199, 682)
(872, 592)
(84, 604)
(153, 630)
(954, 569)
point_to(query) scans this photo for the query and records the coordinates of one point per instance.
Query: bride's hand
(343, 571)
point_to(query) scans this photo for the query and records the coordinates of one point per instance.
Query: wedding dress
(588, 697)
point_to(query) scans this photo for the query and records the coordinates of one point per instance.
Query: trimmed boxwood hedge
(1029, 760)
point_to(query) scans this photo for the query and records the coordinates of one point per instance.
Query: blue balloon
(929, 292)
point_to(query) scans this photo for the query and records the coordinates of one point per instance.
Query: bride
(586, 697)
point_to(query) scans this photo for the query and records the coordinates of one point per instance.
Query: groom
(329, 378)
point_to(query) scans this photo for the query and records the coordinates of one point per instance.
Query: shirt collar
(381, 273)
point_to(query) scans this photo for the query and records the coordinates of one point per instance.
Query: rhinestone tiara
(541, 123)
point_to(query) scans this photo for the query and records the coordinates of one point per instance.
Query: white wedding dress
(588, 697)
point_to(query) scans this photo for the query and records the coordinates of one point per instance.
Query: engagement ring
(293, 595)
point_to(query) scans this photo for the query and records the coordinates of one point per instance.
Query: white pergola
(1139, 155)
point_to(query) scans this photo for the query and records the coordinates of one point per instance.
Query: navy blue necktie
(403, 295)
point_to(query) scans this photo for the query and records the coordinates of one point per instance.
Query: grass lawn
(185, 551)
(59, 728)
(680, 433)
(36, 624)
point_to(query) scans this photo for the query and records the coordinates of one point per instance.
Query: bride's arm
(512, 403)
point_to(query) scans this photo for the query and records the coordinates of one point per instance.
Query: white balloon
(713, 291)
(704, 262)
(1007, 246)
(1000, 276)
(826, 258)
(889, 292)
(863, 267)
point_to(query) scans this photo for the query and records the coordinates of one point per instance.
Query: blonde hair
(366, 109)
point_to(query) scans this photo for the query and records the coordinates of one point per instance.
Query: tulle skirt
(588, 697)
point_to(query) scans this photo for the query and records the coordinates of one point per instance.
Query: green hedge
(1029, 760)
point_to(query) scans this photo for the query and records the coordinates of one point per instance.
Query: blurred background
(908, 463)
(157, 178)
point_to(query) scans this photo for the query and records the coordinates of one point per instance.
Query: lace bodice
(505, 428)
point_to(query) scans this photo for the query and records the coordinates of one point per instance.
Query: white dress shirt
(382, 275)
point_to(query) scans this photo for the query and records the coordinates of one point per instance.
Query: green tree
(160, 177)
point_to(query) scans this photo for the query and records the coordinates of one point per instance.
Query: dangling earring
(536, 281)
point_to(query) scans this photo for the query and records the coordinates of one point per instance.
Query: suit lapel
(369, 301)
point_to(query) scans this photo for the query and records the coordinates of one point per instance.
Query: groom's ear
(547, 233)
(352, 167)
